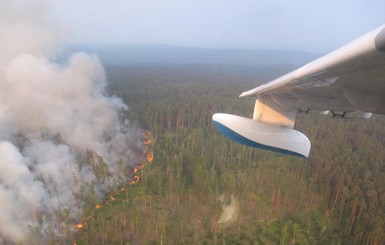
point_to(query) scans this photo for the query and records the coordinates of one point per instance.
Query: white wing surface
(348, 79)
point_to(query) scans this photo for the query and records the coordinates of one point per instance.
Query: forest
(191, 173)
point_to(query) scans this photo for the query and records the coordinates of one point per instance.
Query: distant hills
(174, 55)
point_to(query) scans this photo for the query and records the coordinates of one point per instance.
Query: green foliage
(337, 196)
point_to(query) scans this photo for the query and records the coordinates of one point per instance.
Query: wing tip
(242, 95)
(380, 40)
(247, 93)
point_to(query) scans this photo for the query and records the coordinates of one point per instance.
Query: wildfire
(79, 226)
(147, 136)
(136, 170)
(147, 140)
(82, 225)
(135, 180)
(148, 157)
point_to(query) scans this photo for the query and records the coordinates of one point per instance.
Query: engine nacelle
(262, 135)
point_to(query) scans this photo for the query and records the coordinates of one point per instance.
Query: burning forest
(64, 143)
(134, 174)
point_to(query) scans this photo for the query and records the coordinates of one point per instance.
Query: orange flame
(136, 170)
(147, 155)
(84, 224)
(147, 138)
(150, 157)
(135, 180)
(79, 226)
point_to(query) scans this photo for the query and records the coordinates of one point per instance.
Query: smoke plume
(62, 139)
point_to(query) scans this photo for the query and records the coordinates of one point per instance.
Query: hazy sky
(297, 24)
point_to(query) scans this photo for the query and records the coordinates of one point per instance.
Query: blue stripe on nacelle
(245, 141)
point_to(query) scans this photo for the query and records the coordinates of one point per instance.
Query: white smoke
(57, 127)
(230, 208)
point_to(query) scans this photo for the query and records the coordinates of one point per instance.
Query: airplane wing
(348, 79)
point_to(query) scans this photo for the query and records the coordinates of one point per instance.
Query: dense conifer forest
(191, 173)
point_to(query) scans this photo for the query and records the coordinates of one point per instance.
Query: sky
(284, 25)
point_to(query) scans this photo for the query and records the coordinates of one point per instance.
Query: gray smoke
(58, 129)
